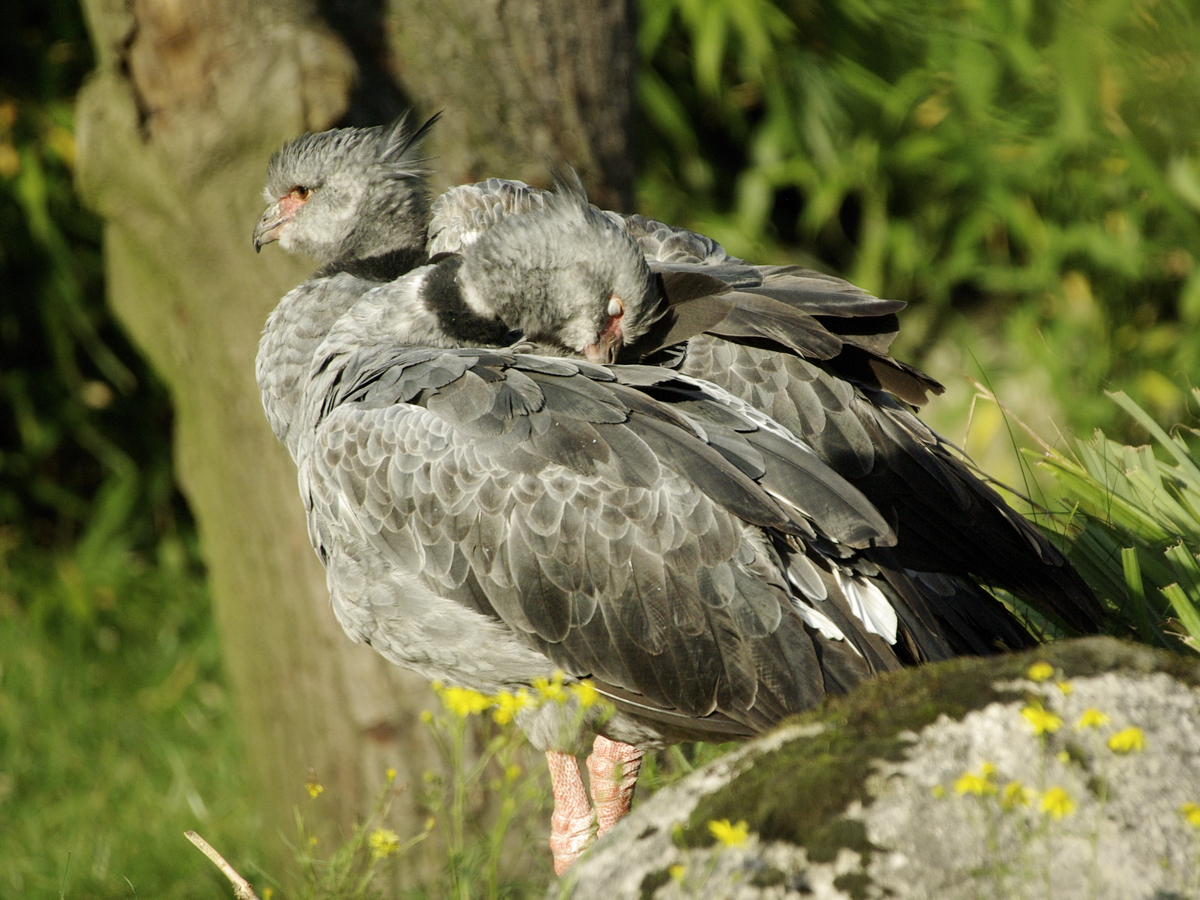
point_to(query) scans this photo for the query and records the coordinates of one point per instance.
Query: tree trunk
(523, 84)
(175, 127)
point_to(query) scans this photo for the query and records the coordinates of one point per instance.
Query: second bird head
(565, 275)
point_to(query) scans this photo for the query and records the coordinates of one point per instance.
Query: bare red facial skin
(292, 201)
(279, 215)
(608, 342)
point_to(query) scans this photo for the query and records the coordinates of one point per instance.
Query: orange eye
(300, 192)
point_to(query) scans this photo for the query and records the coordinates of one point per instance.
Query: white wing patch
(870, 605)
(818, 620)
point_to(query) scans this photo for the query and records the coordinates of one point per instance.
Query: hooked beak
(610, 340)
(269, 226)
(278, 214)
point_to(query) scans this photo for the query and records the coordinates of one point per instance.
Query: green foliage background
(1031, 166)
(1025, 173)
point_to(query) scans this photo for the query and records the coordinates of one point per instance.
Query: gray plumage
(561, 274)
(811, 351)
(357, 193)
(461, 215)
(355, 200)
(487, 517)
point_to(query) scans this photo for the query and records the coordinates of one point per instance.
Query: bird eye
(300, 192)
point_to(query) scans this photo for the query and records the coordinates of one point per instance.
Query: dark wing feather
(655, 580)
(947, 519)
(810, 350)
(667, 244)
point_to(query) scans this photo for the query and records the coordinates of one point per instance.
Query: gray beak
(269, 226)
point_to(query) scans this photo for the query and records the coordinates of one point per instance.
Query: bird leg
(572, 820)
(613, 768)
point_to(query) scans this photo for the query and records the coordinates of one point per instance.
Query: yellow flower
(586, 692)
(1043, 722)
(970, 783)
(314, 789)
(507, 705)
(1128, 741)
(1040, 671)
(1057, 803)
(383, 843)
(390, 774)
(512, 772)
(268, 893)
(464, 702)
(312, 840)
(729, 835)
(1091, 718)
(1063, 757)
(1066, 687)
(551, 689)
(1191, 812)
(426, 716)
(676, 872)
(1016, 794)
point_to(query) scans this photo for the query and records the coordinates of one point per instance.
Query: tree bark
(175, 126)
(523, 84)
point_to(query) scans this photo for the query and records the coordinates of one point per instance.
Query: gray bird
(489, 518)
(810, 350)
(470, 498)
(356, 201)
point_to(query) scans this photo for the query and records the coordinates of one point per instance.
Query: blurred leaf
(1184, 179)
(979, 157)
(84, 427)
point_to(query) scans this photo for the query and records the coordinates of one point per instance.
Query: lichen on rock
(858, 799)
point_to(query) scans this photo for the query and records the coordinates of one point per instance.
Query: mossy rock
(864, 797)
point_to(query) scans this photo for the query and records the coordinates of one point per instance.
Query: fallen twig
(241, 887)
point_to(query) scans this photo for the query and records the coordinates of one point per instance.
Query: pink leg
(613, 768)
(571, 822)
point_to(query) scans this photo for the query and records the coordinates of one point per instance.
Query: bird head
(349, 193)
(565, 275)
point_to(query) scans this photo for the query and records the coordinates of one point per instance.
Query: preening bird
(709, 550)
(489, 518)
(810, 350)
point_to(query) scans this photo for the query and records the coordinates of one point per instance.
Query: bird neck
(463, 325)
(386, 266)
(292, 334)
(392, 219)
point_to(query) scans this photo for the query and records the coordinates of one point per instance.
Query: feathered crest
(381, 151)
(567, 182)
(397, 146)
(563, 222)
(570, 200)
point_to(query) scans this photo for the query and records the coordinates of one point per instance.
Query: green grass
(115, 734)
(1139, 520)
